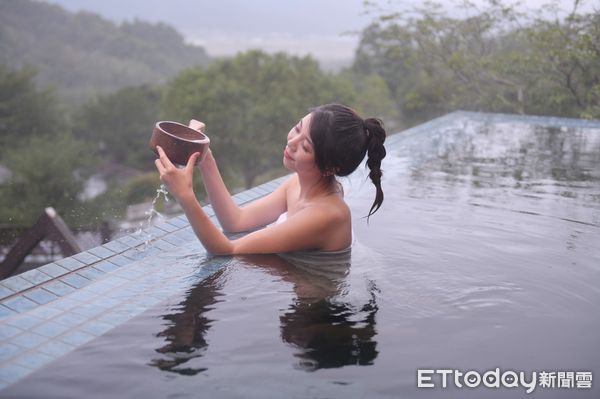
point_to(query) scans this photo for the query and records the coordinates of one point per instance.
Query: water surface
(485, 254)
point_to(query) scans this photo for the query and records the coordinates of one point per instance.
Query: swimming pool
(484, 255)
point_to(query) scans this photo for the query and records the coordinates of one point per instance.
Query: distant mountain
(81, 54)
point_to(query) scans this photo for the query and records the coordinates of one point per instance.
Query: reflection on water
(186, 328)
(326, 330)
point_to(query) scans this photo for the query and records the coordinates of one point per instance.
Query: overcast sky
(224, 27)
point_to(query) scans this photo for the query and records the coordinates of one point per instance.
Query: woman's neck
(315, 186)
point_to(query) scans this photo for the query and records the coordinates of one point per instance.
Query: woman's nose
(293, 142)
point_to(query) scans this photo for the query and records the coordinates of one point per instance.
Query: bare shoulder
(331, 211)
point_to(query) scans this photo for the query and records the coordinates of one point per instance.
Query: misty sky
(224, 27)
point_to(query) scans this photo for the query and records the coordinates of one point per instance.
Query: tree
(250, 102)
(47, 171)
(118, 126)
(493, 59)
(25, 110)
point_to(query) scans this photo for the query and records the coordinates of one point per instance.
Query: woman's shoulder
(333, 208)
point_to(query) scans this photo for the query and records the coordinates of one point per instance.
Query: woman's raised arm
(233, 218)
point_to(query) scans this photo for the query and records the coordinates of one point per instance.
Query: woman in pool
(332, 140)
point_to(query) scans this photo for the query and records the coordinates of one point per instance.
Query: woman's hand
(200, 126)
(178, 181)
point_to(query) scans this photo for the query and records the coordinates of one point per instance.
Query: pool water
(485, 254)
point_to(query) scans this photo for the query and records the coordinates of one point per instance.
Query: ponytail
(375, 153)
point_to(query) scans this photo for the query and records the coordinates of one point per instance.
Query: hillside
(81, 54)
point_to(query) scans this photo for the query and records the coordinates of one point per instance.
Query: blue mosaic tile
(114, 318)
(70, 319)
(70, 263)
(91, 273)
(13, 372)
(5, 292)
(116, 246)
(44, 312)
(75, 280)
(51, 329)
(130, 273)
(262, 190)
(36, 276)
(89, 310)
(187, 232)
(54, 270)
(86, 257)
(132, 254)
(64, 304)
(163, 245)
(100, 288)
(33, 360)
(107, 302)
(59, 288)
(101, 252)
(127, 241)
(76, 338)
(121, 295)
(167, 227)
(96, 327)
(55, 348)
(17, 283)
(119, 260)
(131, 241)
(106, 266)
(9, 331)
(83, 296)
(8, 350)
(19, 304)
(175, 240)
(154, 231)
(139, 254)
(28, 340)
(238, 201)
(23, 322)
(148, 300)
(40, 296)
(178, 222)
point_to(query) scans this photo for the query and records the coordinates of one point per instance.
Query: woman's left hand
(178, 181)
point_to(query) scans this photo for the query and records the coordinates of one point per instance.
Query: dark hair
(341, 140)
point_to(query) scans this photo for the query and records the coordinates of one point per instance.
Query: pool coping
(47, 312)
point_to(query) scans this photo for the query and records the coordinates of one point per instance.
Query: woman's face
(299, 155)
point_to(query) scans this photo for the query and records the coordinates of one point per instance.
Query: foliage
(118, 126)
(494, 59)
(82, 53)
(25, 110)
(250, 102)
(47, 171)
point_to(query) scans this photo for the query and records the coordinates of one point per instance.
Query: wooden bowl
(179, 141)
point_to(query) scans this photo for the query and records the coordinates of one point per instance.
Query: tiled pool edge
(39, 309)
(47, 312)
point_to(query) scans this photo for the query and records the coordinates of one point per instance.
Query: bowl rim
(205, 140)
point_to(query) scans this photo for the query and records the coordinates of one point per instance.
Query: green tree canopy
(118, 126)
(494, 59)
(25, 110)
(250, 102)
(47, 171)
